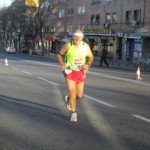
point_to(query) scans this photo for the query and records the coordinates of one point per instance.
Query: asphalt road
(114, 113)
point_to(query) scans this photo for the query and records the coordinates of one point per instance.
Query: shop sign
(98, 31)
(143, 32)
(137, 48)
(120, 34)
(138, 45)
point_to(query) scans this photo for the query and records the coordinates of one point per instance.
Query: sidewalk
(114, 64)
(121, 65)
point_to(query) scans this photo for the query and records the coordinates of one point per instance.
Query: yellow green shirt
(76, 57)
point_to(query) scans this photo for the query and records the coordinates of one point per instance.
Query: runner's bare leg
(71, 85)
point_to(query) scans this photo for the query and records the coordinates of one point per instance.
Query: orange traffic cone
(6, 62)
(138, 76)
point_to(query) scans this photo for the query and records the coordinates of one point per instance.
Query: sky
(5, 3)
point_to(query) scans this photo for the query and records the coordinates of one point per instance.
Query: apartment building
(120, 26)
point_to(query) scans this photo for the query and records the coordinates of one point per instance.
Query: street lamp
(144, 4)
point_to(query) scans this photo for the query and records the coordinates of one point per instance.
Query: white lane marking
(98, 74)
(43, 79)
(101, 74)
(142, 118)
(98, 100)
(14, 68)
(28, 73)
(120, 78)
(43, 63)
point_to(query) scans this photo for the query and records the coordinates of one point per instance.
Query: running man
(78, 59)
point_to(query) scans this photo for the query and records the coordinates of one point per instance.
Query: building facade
(121, 27)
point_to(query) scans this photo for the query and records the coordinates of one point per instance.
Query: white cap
(78, 34)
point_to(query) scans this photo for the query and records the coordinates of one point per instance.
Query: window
(61, 13)
(109, 1)
(128, 16)
(52, 29)
(108, 17)
(114, 17)
(81, 27)
(95, 19)
(137, 15)
(46, 28)
(70, 12)
(61, 1)
(69, 28)
(55, 1)
(92, 21)
(95, 1)
(81, 10)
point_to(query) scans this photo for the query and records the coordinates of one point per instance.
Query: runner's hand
(85, 67)
(63, 67)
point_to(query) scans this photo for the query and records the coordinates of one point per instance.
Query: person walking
(78, 59)
(104, 58)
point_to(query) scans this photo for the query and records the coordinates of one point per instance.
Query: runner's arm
(90, 56)
(89, 59)
(60, 55)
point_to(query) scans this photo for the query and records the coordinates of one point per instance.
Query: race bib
(77, 64)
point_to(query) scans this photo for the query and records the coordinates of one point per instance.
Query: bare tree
(26, 21)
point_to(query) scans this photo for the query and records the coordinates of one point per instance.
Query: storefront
(144, 33)
(133, 48)
(103, 38)
(136, 45)
(48, 42)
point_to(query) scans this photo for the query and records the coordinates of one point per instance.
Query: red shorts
(78, 76)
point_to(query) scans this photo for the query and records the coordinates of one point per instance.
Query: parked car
(11, 50)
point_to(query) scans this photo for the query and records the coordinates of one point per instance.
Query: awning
(101, 36)
(48, 38)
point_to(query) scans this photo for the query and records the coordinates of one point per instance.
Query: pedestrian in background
(77, 61)
(104, 58)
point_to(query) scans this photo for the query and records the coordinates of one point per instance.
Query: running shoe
(67, 101)
(73, 117)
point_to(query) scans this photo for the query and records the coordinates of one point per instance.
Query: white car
(11, 50)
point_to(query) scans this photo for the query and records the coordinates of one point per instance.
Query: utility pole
(143, 22)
